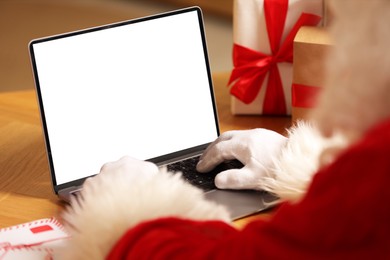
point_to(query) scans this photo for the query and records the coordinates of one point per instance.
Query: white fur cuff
(298, 161)
(110, 204)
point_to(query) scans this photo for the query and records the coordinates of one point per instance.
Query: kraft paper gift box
(311, 46)
(263, 33)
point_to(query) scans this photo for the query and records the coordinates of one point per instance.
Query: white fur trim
(298, 161)
(110, 204)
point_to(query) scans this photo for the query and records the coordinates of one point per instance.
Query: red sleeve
(171, 238)
(345, 215)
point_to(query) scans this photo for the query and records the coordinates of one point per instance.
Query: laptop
(141, 88)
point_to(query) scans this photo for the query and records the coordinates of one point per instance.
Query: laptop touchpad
(242, 203)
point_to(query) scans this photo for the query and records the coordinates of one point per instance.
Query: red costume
(345, 214)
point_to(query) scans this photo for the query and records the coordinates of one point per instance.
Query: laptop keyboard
(205, 181)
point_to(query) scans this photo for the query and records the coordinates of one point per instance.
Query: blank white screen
(139, 89)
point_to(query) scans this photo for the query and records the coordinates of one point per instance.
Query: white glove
(124, 171)
(130, 166)
(253, 148)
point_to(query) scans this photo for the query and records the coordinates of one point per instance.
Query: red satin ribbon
(251, 67)
(304, 96)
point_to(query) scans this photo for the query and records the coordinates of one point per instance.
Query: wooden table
(25, 189)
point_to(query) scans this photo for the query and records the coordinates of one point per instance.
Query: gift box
(311, 45)
(263, 34)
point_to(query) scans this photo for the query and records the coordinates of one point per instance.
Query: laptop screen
(140, 88)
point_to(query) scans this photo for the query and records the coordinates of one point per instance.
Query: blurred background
(24, 20)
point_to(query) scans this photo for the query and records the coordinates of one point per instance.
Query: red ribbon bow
(251, 67)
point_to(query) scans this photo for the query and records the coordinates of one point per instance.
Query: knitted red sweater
(344, 215)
